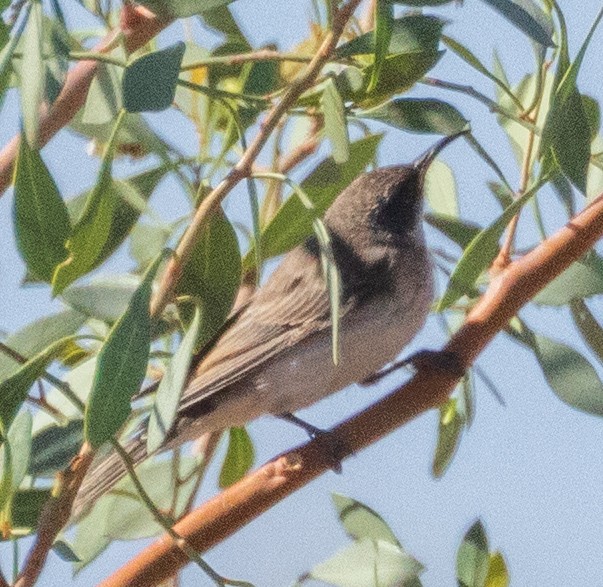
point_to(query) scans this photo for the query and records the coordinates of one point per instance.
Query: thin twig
(243, 168)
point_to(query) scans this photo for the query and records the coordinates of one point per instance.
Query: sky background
(532, 470)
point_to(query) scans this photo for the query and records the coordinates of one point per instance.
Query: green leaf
(570, 375)
(147, 241)
(104, 298)
(472, 558)
(592, 110)
(418, 115)
(6, 476)
(65, 551)
(212, 276)
(450, 428)
(382, 35)
(149, 82)
(522, 19)
(362, 522)
(335, 123)
(498, 575)
(481, 252)
(293, 221)
(41, 221)
(53, 448)
(239, 457)
(33, 73)
(368, 563)
(459, 231)
(182, 8)
(171, 386)
(582, 279)
(19, 438)
(91, 232)
(104, 99)
(27, 506)
(410, 34)
(440, 189)
(423, 2)
(38, 335)
(13, 390)
(121, 366)
(589, 328)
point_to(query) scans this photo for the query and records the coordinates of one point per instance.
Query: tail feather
(104, 474)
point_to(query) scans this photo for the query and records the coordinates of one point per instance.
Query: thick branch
(243, 168)
(238, 505)
(138, 27)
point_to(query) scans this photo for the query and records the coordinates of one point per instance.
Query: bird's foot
(441, 360)
(333, 447)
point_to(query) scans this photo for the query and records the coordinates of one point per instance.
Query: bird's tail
(104, 474)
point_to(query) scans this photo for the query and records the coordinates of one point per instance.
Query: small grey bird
(275, 355)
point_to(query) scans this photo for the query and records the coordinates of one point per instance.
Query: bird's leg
(334, 446)
(440, 360)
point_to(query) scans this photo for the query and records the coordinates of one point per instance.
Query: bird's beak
(424, 161)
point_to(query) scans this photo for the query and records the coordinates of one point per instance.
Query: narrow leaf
(384, 24)
(239, 457)
(171, 386)
(472, 557)
(19, 438)
(335, 123)
(498, 575)
(149, 82)
(589, 327)
(570, 375)
(450, 427)
(121, 366)
(459, 231)
(41, 221)
(54, 447)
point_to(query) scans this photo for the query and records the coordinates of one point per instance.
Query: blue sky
(531, 470)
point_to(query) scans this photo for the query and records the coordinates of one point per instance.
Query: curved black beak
(424, 161)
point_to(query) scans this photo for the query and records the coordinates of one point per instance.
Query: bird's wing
(293, 304)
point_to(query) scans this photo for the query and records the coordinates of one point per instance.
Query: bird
(274, 355)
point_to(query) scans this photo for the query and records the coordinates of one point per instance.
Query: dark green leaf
(64, 551)
(27, 506)
(410, 34)
(182, 8)
(589, 328)
(382, 35)
(19, 438)
(450, 429)
(522, 19)
(570, 375)
(368, 563)
(502, 194)
(38, 335)
(360, 521)
(239, 457)
(33, 73)
(212, 276)
(480, 253)
(149, 82)
(13, 390)
(459, 231)
(293, 222)
(582, 279)
(221, 19)
(41, 221)
(418, 115)
(171, 386)
(336, 126)
(592, 110)
(121, 366)
(473, 558)
(91, 232)
(54, 447)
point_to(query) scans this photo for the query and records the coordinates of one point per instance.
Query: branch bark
(138, 26)
(259, 491)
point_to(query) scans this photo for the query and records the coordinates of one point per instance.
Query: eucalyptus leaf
(149, 82)
(239, 459)
(459, 231)
(171, 386)
(19, 438)
(182, 8)
(382, 35)
(570, 375)
(361, 522)
(589, 327)
(472, 557)
(54, 447)
(121, 366)
(450, 428)
(27, 506)
(440, 189)
(42, 224)
(335, 123)
(498, 575)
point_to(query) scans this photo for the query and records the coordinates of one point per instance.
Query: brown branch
(243, 168)
(138, 26)
(54, 516)
(259, 491)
